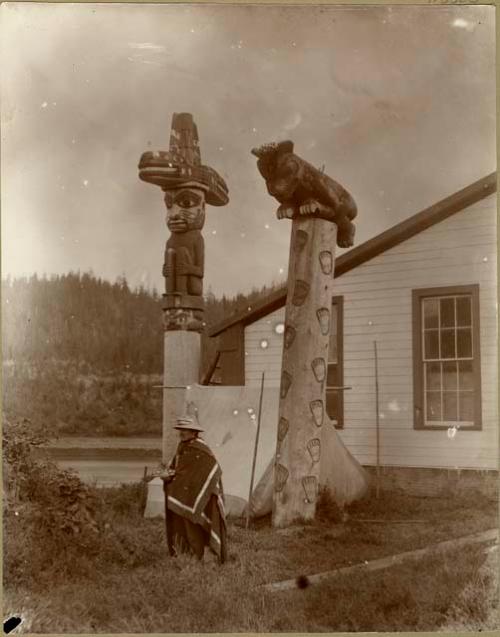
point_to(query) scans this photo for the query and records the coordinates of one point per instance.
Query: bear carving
(302, 189)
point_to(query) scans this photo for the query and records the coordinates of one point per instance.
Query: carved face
(185, 209)
(284, 180)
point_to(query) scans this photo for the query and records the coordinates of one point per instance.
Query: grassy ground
(142, 590)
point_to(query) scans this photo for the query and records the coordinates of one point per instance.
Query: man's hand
(168, 475)
(164, 473)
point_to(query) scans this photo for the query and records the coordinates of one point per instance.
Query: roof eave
(373, 247)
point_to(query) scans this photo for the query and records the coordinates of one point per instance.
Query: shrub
(126, 500)
(20, 439)
(56, 526)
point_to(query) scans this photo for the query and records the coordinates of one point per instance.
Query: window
(447, 379)
(335, 373)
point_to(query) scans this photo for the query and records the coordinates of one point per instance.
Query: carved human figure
(183, 266)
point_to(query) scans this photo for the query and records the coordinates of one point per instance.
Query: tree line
(83, 356)
(96, 325)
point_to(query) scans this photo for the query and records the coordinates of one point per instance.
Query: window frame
(418, 361)
(339, 302)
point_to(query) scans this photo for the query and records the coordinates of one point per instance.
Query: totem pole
(188, 186)
(321, 211)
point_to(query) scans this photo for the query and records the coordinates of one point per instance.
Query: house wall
(377, 295)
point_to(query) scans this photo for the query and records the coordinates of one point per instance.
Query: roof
(373, 247)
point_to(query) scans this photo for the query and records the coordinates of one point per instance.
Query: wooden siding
(258, 360)
(460, 250)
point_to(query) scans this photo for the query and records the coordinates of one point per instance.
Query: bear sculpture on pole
(321, 211)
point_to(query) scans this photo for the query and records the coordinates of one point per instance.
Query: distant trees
(74, 343)
(81, 318)
(88, 321)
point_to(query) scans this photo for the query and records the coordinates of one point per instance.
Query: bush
(57, 527)
(127, 500)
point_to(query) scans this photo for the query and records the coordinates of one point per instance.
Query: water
(108, 473)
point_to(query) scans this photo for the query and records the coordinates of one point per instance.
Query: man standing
(194, 509)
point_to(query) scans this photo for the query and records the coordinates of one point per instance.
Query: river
(77, 453)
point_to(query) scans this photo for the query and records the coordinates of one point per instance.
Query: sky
(396, 102)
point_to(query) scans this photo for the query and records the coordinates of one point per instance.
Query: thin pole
(255, 452)
(377, 419)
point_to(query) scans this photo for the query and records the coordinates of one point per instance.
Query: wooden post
(179, 172)
(305, 357)
(181, 368)
(250, 491)
(322, 212)
(377, 419)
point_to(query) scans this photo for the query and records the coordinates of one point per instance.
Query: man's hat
(186, 422)
(181, 164)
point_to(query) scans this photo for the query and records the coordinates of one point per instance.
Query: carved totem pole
(188, 186)
(321, 211)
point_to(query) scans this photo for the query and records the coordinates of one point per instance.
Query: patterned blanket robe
(196, 491)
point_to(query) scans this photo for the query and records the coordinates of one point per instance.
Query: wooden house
(425, 292)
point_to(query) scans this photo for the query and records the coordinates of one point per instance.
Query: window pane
(464, 310)
(450, 405)
(448, 343)
(332, 404)
(332, 347)
(450, 376)
(464, 342)
(332, 377)
(431, 344)
(465, 375)
(448, 312)
(431, 313)
(466, 399)
(433, 376)
(433, 403)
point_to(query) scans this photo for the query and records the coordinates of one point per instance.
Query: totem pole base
(181, 369)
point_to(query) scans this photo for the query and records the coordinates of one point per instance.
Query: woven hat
(186, 422)
(181, 164)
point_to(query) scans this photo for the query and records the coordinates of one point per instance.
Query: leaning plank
(385, 562)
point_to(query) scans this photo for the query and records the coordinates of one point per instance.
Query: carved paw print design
(283, 426)
(301, 238)
(326, 261)
(281, 477)
(286, 381)
(314, 448)
(300, 292)
(310, 486)
(323, 315)
(318, 413)
(319, 369)
(290, 333)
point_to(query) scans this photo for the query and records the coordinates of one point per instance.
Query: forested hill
(83, 356)
(85, 320)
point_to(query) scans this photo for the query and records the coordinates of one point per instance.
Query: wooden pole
(255, 451)
(377, 420)
(181, 369)
(302, 410)
(319, 208)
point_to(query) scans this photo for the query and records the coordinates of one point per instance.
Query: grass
(142, 590)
